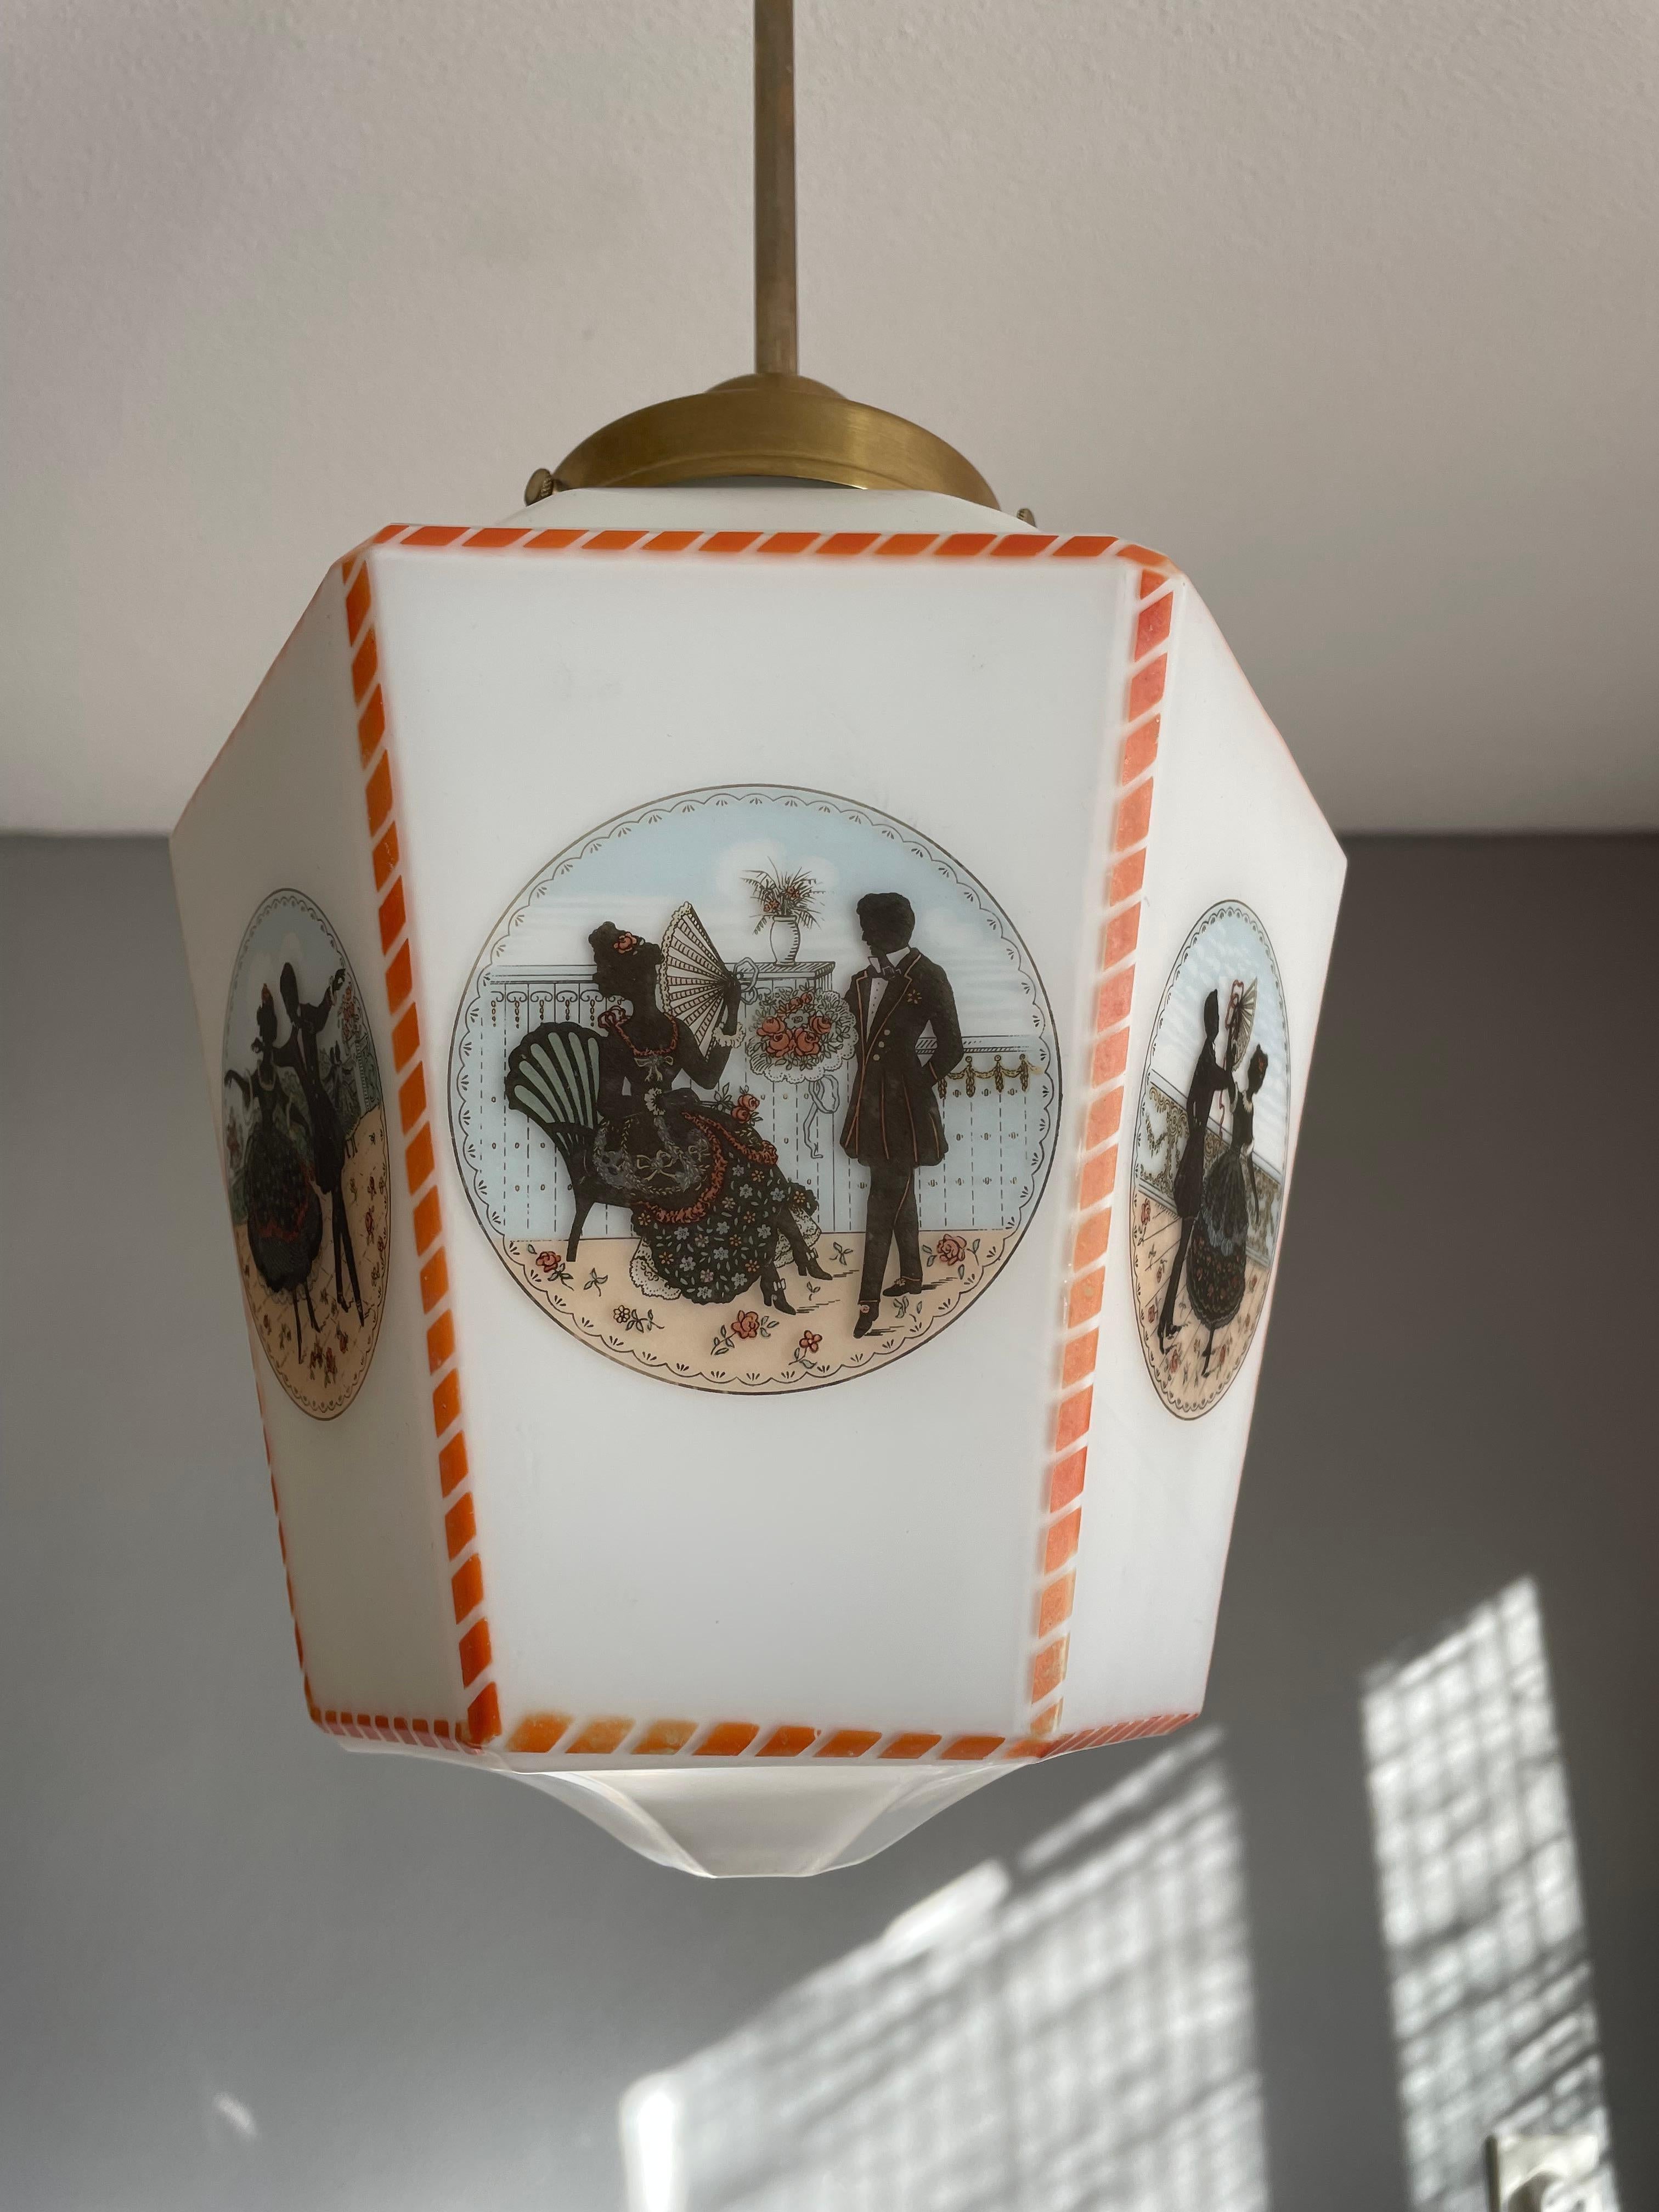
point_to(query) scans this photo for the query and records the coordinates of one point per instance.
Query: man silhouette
(300, 1050)
(1208, 1077)
(893, 1122)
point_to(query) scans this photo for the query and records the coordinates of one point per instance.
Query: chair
(553, 1078)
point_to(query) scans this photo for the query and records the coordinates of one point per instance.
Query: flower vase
(785, 938)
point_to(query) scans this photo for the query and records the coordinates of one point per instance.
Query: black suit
(893, 1121)
(1187, 1188)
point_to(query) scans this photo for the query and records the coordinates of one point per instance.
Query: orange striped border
(609, 1735)
(436, 1733)
(726, 544)
(482, 1721)
(1097, 1174)
(616, 1735)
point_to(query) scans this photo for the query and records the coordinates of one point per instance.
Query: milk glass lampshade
(758, 1031)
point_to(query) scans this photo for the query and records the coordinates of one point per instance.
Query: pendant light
(758, 1012)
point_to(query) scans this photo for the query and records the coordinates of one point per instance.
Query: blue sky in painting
(285, 931)
(703, 852)
(1232, 946)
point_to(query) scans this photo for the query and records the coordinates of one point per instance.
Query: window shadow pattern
(1078, 2032)
(1494, 2018)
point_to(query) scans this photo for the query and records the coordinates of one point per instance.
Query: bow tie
(885, 970)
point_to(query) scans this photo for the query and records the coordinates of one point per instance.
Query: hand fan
(695, 979)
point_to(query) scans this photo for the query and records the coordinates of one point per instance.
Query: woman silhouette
(707, 1195)
(1232, 1197)
(284, 1214)
(300, 1051)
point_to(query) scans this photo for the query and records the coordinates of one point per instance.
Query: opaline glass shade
(758, 1036)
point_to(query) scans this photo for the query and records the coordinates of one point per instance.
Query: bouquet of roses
(801, 1034)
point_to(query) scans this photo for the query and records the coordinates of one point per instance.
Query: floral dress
(284, 1215)
(705, 1191)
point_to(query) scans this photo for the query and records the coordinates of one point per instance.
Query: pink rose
(746, 1324)
(950, 1251)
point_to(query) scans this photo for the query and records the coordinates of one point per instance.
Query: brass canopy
(772, 425)
(774, 422)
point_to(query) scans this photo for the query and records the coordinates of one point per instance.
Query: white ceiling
(1349, 305)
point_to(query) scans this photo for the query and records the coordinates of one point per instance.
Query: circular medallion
(305, 1154)
(754, 1089)
(1209, 1159)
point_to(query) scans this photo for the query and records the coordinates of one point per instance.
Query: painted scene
(1209, 1162)
(754, 1089)
(305, 1154)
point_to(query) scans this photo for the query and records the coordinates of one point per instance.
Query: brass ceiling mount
(774, 422)
(773, 425)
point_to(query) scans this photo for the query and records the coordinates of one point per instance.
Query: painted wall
(237, 1965)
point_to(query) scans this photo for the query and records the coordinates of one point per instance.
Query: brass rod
(776, 326)
(775, 422)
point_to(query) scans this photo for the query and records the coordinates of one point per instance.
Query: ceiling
(1349, 305)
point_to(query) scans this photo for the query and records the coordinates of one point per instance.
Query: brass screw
(1024, 514)
(543, 485)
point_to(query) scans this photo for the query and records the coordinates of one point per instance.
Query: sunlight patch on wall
(1078, 2032)
(1494, 2020)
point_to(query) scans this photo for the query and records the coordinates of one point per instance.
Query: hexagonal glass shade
(758, 1039)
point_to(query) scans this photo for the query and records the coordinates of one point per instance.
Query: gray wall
(428, 1988)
